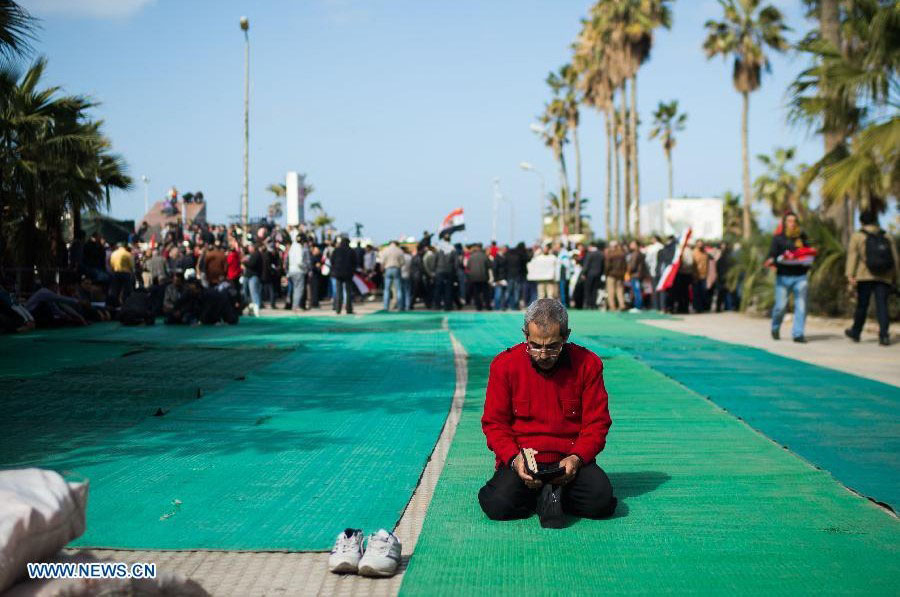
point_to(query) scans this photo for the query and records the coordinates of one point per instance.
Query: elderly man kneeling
(546, 395)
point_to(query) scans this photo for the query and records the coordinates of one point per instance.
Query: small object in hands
(549, 507)
(532, 468)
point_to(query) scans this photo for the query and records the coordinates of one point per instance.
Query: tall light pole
(245, 196)
(146, 180)
(529, 168)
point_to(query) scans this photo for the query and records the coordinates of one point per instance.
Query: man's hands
(571, 464)
(518, 465)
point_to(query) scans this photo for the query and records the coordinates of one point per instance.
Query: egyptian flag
(363, 284)
(454, 222)
(667, 279)
(804, 256)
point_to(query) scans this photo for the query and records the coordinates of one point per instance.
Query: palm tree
(732, 217)
(596, 87)
(779, 186)
(16, 29)
(555, 136)
(564, 84)
(854, 91)
(744, 34)
(666, 122)
(279, 189)
(54, 161)
(640, 18)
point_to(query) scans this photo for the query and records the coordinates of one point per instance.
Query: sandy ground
(827, 345)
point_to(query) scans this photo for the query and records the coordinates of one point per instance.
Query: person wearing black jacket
(789, 278)
(498, 269)
(343, 266)
(592, 272)
(516, 269)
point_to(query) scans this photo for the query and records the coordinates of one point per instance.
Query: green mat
(303, 427)
(848, 425)
(707, 504)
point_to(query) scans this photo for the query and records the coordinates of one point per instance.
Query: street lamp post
(245, 196)
(529, 168)
(146, 180)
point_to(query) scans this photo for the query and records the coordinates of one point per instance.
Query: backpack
(879, 257)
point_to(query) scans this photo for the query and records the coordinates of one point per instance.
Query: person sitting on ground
(173, 295)
(546, 394)
(188, 307)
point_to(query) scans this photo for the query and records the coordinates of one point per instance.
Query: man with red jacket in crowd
(547, 395)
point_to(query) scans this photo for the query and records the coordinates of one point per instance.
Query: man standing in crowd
(121, 262)
(498, 271)
(592, 272)
(215, 265)
(701, 271)
(637, 273)
(542, 271)
(445, 267)
(343, 266)
(477, 271)
(873, 269)
(298, 268)
(789, 277)
(253, 278)
(392, 260)
(615, 266)
(516, 268)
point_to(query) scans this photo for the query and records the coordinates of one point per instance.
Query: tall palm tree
(555, 136)
(54, 160)
(640, 18)
(564, 84)
(744, 34)
(666, 122)
(852, 90)
(16, 30)
(590, 61)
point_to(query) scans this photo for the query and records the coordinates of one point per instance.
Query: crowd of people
(214, 274)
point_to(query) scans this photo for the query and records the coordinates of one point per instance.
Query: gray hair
(547, 312)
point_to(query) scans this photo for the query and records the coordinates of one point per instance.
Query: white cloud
(103, 9)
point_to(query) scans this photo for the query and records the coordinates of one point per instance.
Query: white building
(672, 216)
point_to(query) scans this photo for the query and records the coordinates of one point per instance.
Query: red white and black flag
(454, 222)
(667, 279)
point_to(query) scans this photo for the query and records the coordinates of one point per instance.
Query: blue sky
(398, 110)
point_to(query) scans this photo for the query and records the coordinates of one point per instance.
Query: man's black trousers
(865, 290)
(588, 495)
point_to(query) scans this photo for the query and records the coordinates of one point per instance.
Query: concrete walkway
(827, 345)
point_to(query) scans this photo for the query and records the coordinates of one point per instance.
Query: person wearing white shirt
(543, 270)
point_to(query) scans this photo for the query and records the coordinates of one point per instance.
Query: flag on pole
(454, 222)
(363, 284)
(667, 279)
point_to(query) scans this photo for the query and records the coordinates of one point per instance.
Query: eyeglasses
(551, 350)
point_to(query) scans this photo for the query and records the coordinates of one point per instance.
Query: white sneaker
(347, 551)
(382, 555)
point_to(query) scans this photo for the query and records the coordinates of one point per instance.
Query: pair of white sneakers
(381, 556)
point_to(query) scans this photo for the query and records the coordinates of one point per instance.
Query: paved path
(827, 345)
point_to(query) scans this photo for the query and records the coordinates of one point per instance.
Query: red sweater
(559, 413)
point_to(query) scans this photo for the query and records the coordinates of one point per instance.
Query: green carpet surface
(276, 433)
(843, 423)
(707, 504)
